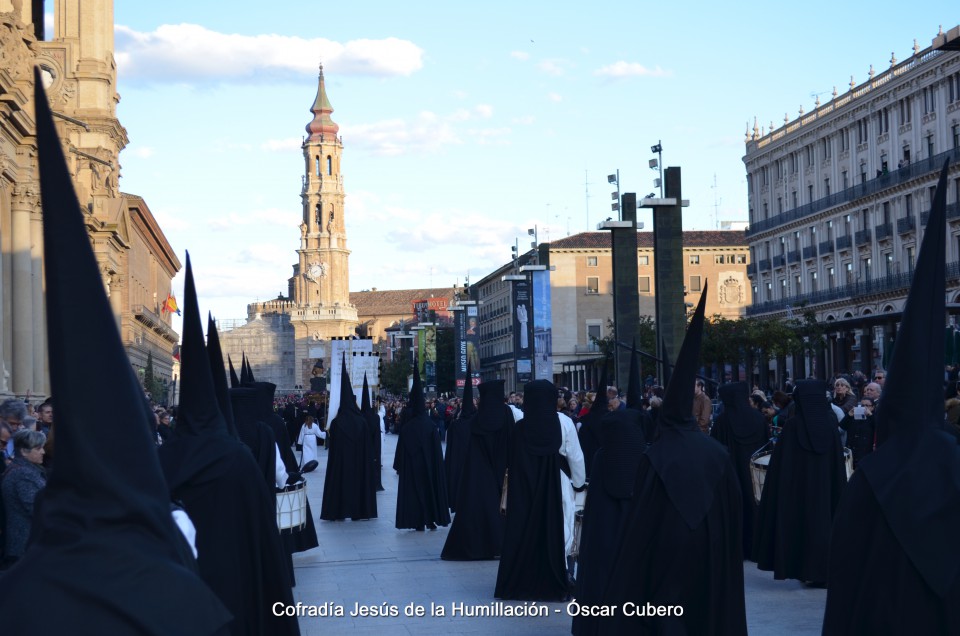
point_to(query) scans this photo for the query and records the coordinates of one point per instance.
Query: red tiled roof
(693, 238)
(394, 301)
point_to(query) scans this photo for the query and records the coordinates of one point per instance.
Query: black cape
(422, 488)
(346, 487)
(663, 561)
(801, 492)
(477, 530)
(608, 501)
(533, 560)
(743, 431)
(458, 440)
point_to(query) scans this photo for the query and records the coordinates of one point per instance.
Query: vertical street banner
(522, 305)
(467, 332)
(360, 358)
(542, 326)
(427, 356)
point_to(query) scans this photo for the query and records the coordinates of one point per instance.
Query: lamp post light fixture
(657, 164)
(614, 179)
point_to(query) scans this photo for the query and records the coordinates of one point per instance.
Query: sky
(463, 124)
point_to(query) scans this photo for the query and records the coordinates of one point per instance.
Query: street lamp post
(614, 179)
(657, 164)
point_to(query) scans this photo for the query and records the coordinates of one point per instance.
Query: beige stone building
(137, 263)
(581, 295)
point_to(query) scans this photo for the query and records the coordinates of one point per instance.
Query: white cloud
(144, 152)
(523, 56)
(436, 230)
(392, 137)
(484, 110)
(552, 67)
(526, 120)
(491, 136)
(169, 222)
(459, 94)
(630, 69)
(265, 254)
(184, 53)
(282, 145)
(555, 97)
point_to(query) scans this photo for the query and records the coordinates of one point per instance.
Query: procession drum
(292, 506)
(759, 462)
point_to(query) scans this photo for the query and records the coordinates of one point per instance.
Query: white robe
(308, 440)
(570, 448)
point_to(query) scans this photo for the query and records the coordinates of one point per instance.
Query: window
(826, 187)
(908, 204)
(864, 219)
(888, 263)
(809, 193)
(829, 230)
(844, 179)
(929, 146)
(910, 254)
(955, 132)
(329, 165)
(779, 205)
(643, 285)
(809, 156)
(867, 268)
(929, 99)
(591, 261)
(813, 281)
(783, 288)
(886, 212)
(825, 147)
(643, 260)
(831, 277)
(593, 285)
(718, 259)
(849, 267)
(694, 284)
(844, 140)
(883, 121)
(593, 333)
(906, 105)
(797, 284)
(953, 84)
(741, 259)
(694, 259)
(796, 199)
(848, 230)
(766, 210)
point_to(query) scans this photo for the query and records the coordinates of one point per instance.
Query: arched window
(329, 165)
(318, 165)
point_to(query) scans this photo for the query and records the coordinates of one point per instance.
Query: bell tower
(320, 286)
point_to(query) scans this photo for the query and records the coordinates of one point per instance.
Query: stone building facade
(839, 197)
(79, 73)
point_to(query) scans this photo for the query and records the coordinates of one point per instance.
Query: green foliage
(394, 374)
(152, 384)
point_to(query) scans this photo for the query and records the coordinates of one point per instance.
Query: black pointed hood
(622, 445)
(198, 412)
(689, 463)
(234, 380)
(540, 425)
(746, 422)
(915, 474)
(104, 518)
(215, 354)
(348, 401)
(600, 401)
(635, 383)
(416, 403)
(492, 414)
(677, 407)
(467, 407)
(815, 421)
(365, 403)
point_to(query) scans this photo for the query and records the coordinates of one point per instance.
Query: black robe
(458, 440)
(743, 438)
(422, 488)
(348, 477)
(874, 588)
(608, 501)
(240, 555)
(800, 496)
(533, 560)
(589, 436)
(661, 560)
(372, 420)
(477, 530)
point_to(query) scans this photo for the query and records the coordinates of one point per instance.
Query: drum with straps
(292, 506)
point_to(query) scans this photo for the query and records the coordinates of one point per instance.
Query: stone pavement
(371, 563)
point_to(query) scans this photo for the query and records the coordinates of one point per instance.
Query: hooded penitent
(743, 431)
(686, 485)
(422, 489)
(373, 431)
(219, 376)
(801, 491)
(348, 491)
(899, 568)
(477, 530)
(458, 441)
(589, 433)
(216, 479)
(234, 380)
(104, 519)
(533, 560)
(635, 396)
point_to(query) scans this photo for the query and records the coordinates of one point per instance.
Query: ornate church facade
(284, 338)
(137, 263)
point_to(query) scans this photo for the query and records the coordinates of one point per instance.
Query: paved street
(372, 563)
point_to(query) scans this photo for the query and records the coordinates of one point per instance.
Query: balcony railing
(884, 231)
(763, 265)
(906, 224)
(953, 210)
(826, 246)
(901, 175)
(809, 252)
(148, 317)
(863, 237)
(779, 261)
(752, 269)
(793, 257)
(844, 242)
(889, 283)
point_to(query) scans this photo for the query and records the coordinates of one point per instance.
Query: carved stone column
(22, 204)
(41, 382)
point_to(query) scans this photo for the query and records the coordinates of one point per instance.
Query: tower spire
(321, 123)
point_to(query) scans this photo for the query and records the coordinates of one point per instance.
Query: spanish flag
(170, 304)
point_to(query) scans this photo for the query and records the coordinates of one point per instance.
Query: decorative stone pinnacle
(834, 92)
(852, 83)
(916, 47)
(870, 73)
(893, 58)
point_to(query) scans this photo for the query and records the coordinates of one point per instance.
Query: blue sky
(463, 124)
